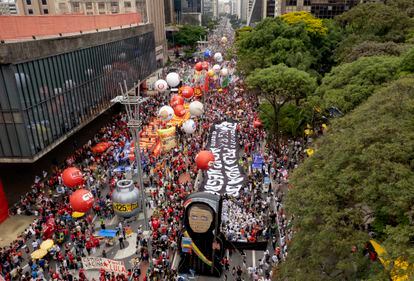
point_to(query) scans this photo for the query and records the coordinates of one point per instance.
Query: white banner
(106, 264)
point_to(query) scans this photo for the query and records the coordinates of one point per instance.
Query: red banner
(4, 206)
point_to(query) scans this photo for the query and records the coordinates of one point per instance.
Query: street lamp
(131, 99)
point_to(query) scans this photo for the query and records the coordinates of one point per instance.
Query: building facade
(8, 7)
(260, 9)
(156, 16)
(53, 87)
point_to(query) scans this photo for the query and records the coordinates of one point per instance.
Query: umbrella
(38, 254)
(47, 244)
(77, 215)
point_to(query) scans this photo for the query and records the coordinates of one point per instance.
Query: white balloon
(161, 85)
(220, 59)
(166, 113)
(224, 72)
(218, 56)
(173, 79)
(196, 108)
(189, 126)
(216, 68)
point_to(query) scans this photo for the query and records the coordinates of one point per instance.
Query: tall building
(191, 12)
(150, 11)
(210, 8)
(169, 12)
(156, 15)
(260, 9)
(52, 88)
(8, 7)
(330, 9)
(191, 6)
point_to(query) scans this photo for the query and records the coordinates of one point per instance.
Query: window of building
(291, 2)
(29, 2)
(127, 4)
(101, 6)
(114, 4)
(88, 5)
(44, 2)
(306, 2)
(30, 11)
(45, 11)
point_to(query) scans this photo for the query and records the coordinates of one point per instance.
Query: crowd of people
(171, 178)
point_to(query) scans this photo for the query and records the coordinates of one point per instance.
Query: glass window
(45, 11)
(28, 2)
(44, 2)
(127, 4)
(30, 11)
(88, 5)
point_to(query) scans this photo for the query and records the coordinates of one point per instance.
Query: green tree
(363, 168)
(349, 84)
(375, 22)
(407, 63)
(373, 48)
(188, 35)
(279, 85)
(274, 41)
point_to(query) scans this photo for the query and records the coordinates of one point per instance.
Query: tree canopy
(278, 85)
(313, 25)
(362, 170)
(349, 84)
(274, 41)
(188, 35)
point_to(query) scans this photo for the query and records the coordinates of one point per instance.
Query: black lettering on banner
(226, 176)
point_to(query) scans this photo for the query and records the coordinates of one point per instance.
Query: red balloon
(176, 100)
(257, 123)
(187, 92)
(205, 65)
(199, 66)
(81, 200)
(179, 110)
(204, 159)
(72, 177)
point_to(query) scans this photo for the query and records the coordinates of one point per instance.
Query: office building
(260, 9)
(210, 8)
(8, 7)
(53, 87)
(150, 11)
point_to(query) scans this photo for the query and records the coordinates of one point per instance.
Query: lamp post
(132, 100)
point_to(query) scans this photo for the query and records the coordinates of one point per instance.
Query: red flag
(206, 84)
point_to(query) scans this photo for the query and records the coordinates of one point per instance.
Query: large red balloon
(72, 177)
(179, 110)
(199, 66)
(81, 200)
(176, 100)
(204, 159)
(205, 65)
(187, 92)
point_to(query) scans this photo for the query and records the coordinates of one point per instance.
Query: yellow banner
(125, 207)
(167, 137)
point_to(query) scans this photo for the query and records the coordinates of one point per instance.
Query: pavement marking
(176, 258)
(128, 251)
(254, 258)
